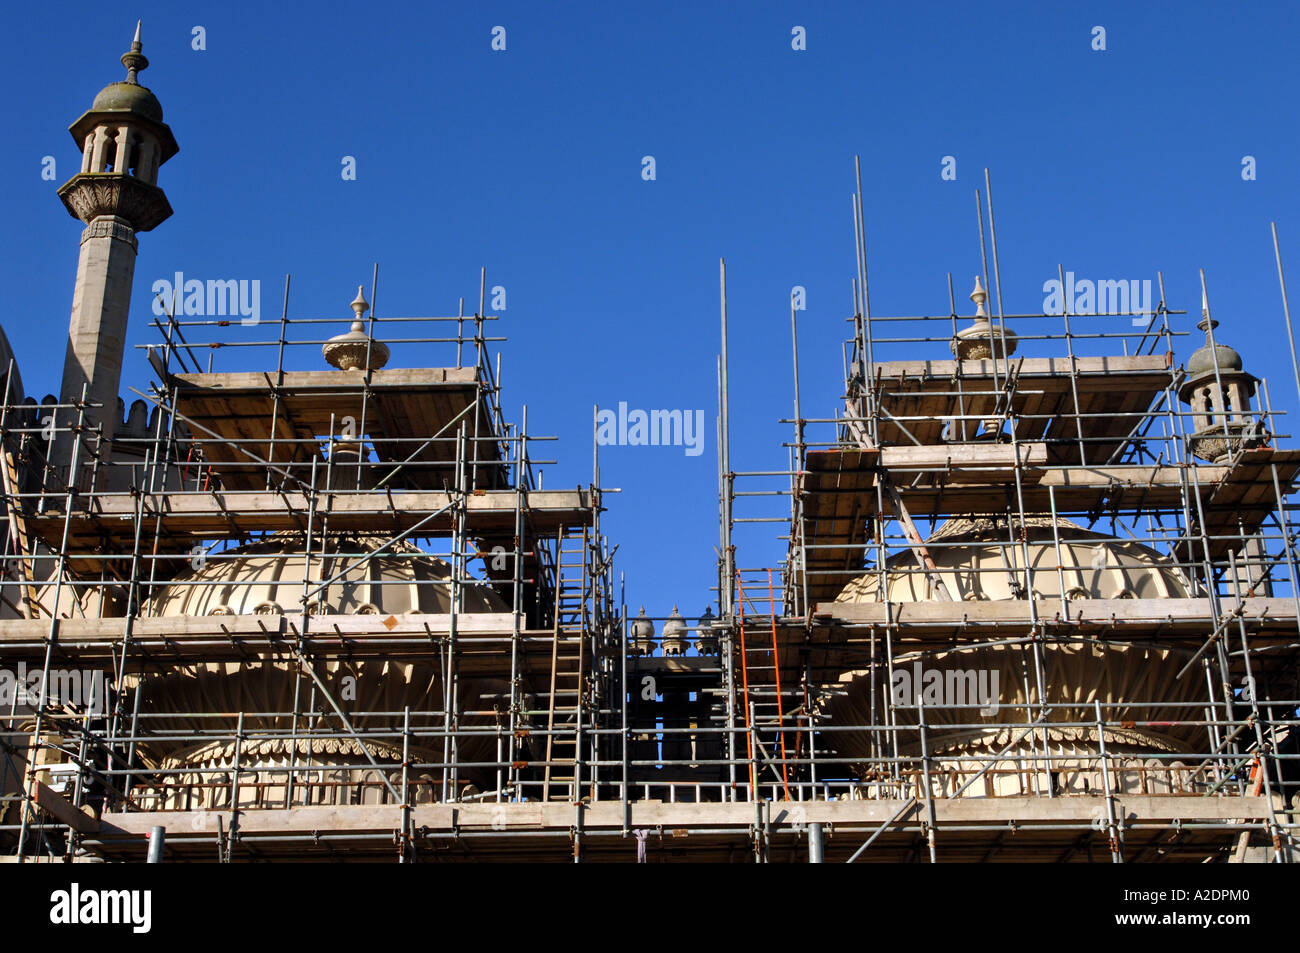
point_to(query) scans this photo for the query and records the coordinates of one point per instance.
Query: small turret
(1219, 391)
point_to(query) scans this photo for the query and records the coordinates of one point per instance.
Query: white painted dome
(993, 679)
(375, 692)
(266, 577)
(969, 555)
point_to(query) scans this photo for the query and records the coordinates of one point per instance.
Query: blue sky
(528, 162)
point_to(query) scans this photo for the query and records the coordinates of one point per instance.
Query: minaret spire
(134, 60)
(1207, 323)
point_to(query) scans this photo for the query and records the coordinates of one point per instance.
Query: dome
(371, 575)
(982, 687)
(982, 691)
(265, 690)
(707, 644)
(266, 577)
(969, 555)
(128, 98)
(675, 634)
(1202, 361)
(1076, 672)
(643, 633)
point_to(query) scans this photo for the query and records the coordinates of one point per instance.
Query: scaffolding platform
(109, 521)
(969, 829)
(409, 416)
(918, 400)
(839, 495)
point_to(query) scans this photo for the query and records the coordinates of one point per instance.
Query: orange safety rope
(185, 471)
(776, 667)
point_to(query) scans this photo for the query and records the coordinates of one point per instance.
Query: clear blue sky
(1113, 163)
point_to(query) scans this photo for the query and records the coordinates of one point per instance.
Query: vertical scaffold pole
(726, 606)
(1286, 309)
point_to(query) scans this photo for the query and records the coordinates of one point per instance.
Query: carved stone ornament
(349, 351)
(92, 195)
(981, 340)
(106, 227)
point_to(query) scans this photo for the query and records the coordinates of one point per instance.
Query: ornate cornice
(92, 195)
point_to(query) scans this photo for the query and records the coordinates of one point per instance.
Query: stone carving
(980, 340)
(92, 195)
(104, 227)
(349, 351)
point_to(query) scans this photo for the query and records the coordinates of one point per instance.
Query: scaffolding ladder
(564, 722)
(762, 711)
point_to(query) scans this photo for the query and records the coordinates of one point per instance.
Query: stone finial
(359, 307)
(134, 60)
(981, 340)
(348, 351)
(979, 296)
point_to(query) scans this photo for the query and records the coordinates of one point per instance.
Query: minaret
(123, 141)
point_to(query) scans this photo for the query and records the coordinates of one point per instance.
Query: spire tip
(134, 59)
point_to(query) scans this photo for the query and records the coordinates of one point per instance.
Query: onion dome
(675, 634)
(266, 578)
(1204, 359)
(976, 564)
(707, 644)
(199, 752)
(128, 98)
(643, 634)
(369, 575)
(977, 688)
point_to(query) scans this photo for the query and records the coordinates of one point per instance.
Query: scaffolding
(301, 613)
(943, 519)
(292, 588)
